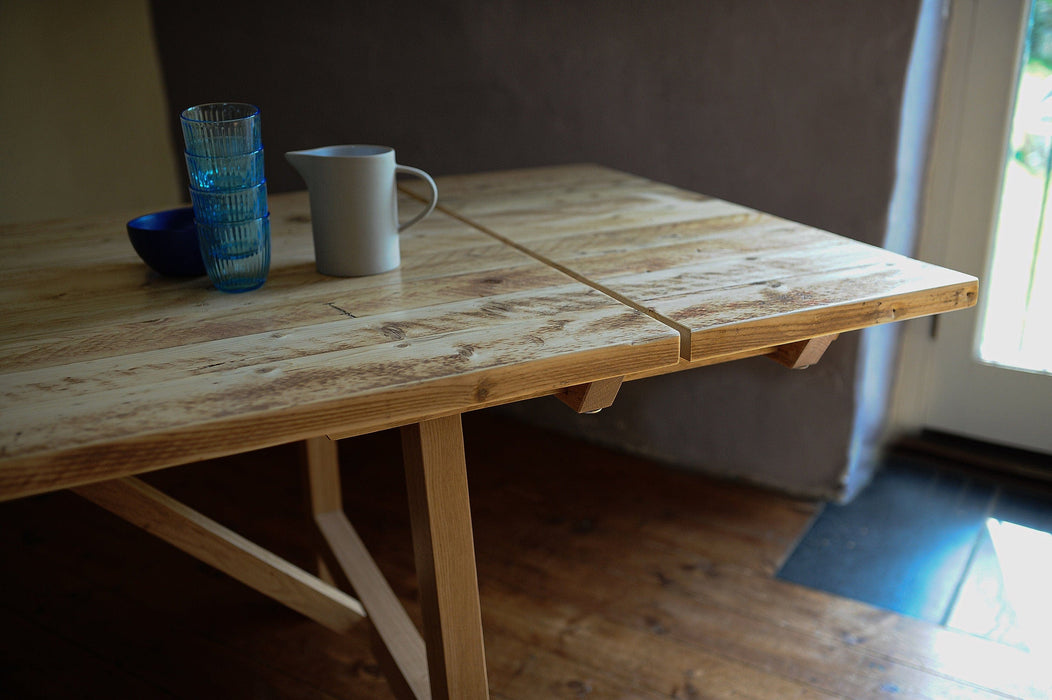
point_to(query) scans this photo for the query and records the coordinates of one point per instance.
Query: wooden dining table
(564, 281)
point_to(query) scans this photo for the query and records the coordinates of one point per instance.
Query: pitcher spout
(301, 161)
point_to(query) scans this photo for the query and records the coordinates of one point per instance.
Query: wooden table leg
(320, 459)
(160, 515)
(398, 646)
(437, 482)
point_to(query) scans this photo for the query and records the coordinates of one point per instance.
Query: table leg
(397, 645)
(436, 477)
(320, 459)
(160, 515)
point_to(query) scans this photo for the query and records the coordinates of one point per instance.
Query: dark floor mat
(967, 550)
(903, 544)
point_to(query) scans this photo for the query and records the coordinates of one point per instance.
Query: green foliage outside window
(1040, 35)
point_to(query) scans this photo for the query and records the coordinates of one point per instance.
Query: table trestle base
(151, 510)
(397, 644)
(396, 633)
(449, 660)
(443, 542)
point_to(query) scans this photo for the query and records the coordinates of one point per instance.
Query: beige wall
(83, 115)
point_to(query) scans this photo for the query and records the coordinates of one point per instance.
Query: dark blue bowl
(167, 242)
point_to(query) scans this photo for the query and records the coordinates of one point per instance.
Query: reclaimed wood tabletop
(732, 280)
(107, 369)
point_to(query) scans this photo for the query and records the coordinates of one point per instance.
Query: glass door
(986, 373)
(1017, 320)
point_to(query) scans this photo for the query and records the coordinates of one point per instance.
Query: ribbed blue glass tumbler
(224, 159)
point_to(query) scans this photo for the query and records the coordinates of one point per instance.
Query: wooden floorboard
(601, 576)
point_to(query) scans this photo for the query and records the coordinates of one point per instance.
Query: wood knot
(482, 391)
(393, 332)
(494, 308)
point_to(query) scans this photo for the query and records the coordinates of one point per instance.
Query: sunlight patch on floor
(1007, 593)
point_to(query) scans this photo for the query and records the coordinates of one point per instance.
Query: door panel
(942, 382)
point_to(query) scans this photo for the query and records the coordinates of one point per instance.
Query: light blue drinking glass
(225, 172)
(229, 206)
(221, 129)
(236, 255)
(224, 159)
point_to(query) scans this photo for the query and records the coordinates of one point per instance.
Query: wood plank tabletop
(733, 281)
(107, 369)
(526, 282)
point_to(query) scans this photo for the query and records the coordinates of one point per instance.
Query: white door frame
(971, 129)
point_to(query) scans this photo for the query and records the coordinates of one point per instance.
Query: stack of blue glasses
(224, 159)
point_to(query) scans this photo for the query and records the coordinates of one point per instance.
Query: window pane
(1017, 323)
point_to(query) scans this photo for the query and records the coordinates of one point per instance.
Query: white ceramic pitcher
(354, 207)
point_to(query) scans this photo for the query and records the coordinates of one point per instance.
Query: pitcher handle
(406, 170)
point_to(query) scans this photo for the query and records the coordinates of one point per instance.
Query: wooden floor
(601, 576)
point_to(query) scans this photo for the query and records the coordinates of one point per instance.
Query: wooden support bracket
(394, 671)
(321, 473)
(591, 397)
(397, 644)
(802, 354)
(448, 661)
(405, 655)
(163, 516)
